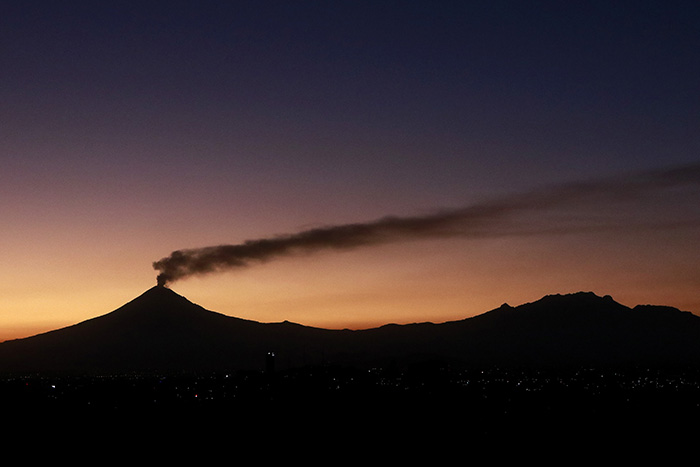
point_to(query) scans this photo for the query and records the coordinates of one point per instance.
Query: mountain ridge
(161, 330)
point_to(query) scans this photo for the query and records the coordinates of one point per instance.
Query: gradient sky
(132, 129)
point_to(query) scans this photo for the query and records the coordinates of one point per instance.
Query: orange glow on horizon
(433, 281)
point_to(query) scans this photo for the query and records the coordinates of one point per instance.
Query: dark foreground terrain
(430, 399)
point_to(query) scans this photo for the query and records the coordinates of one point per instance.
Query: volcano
(163, 331)
(159, 331)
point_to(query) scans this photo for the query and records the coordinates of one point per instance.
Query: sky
(129, 130)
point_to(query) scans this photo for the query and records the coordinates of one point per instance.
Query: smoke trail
(513, 215)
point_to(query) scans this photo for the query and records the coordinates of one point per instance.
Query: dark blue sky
(565, 85)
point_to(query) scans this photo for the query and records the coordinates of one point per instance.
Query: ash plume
(573, 207)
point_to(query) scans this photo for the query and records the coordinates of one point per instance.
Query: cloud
(574, 207)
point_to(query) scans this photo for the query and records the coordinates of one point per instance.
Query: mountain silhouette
(163, 331)
(159, 330)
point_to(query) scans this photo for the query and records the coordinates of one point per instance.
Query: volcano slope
(163, 331)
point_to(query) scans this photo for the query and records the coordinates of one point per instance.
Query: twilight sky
(129, 130)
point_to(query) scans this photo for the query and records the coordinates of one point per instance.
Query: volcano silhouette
(159, 330)
(163, 331)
